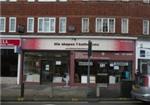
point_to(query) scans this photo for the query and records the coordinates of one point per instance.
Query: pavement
(36, 92)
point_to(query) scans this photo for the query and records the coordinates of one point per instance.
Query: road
(77, 103)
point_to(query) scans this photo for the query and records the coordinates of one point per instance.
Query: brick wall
(74, 11)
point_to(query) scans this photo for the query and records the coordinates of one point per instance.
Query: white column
(19, 69)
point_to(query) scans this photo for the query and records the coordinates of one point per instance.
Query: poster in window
(58, 62)
(47, 67)
(116, 67)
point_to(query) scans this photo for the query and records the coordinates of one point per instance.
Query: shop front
(58, 60)
(9, 59)
(143, 57)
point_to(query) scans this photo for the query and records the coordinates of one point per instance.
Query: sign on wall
(78, 44)
(9, 42)
(143, 50)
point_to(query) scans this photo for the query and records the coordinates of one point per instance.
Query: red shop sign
(9, 42)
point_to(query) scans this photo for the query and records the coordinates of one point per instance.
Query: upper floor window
(146, 1)
(2, 24)
(46, 24)
(30, 24)
(3, 0)
(106, 25)
(12, 24)
(62, 0)
(124, 25)
(62, 24)
(31, 0)
(85, 24)
(46, 0)
(9, 0)
(12, 0)
(145, 27)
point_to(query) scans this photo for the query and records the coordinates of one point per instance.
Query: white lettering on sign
(4, 42)
(9, 42)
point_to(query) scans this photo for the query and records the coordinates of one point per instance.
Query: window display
(45, 67)
(103, 71)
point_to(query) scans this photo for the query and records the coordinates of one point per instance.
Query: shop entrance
(47, 68)
(9, 61)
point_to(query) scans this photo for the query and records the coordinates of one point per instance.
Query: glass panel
(85, 25)
(124, 28)
(62, 25)
(46, 25)
(12, 25)
(99, 25)
(30, 25)
(40, 25)
(105, 25)
(145, 27)
(111, 25)
(52, 25)
(46, 67)
(2, 25)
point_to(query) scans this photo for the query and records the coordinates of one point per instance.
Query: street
(77, 103)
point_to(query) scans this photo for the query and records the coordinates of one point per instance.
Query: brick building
(51, 39)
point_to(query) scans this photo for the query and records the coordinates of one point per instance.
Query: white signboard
(143, 50)
(78, 44)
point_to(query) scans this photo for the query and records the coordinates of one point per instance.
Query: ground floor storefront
(143, 56)
(65, 61)
(9, 59)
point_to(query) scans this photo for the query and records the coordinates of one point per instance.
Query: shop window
(81, 70)
(142, 53)
(45, 67)
(102, 72)
(144, 66)
(105, 72)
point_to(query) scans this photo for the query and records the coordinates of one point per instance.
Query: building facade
(143, 56)
(52, 39)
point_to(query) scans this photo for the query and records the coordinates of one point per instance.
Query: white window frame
(32, 29)
(4, 25)
(146, 1)
(2, 0)
(61, 27)
(12, 0)
(31, 0)
(85, 30)
(114, 24)
(46, 0)
(147, 28)
(125, 26)
(8, 0)
(10, 24)
(43, 24)
(63, 0)
(101, 28)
